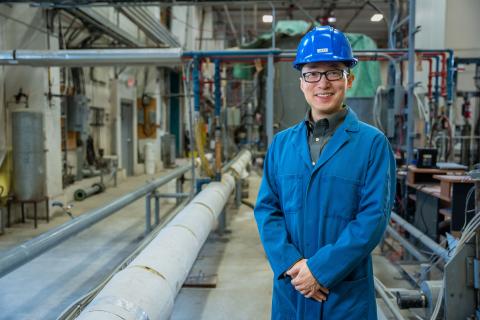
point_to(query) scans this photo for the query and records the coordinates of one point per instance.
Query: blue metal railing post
(148, 213)
(196, 84)
(218, 89)
(157, 208)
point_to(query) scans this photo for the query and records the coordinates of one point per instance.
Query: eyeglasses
(316, 76)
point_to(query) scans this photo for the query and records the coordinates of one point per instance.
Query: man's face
(325, 97)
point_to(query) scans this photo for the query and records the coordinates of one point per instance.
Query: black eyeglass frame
(326, 74)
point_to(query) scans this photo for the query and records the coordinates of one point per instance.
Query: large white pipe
(147, 288)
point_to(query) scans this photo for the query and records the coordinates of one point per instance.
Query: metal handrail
(422, 237)
(18, 256)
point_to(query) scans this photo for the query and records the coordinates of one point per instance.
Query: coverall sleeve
(281, 252)
(333, 262)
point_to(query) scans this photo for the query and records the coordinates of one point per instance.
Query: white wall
(462, 35)
(463, 31)
(430, 16)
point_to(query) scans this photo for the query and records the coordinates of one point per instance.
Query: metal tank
(28, 155)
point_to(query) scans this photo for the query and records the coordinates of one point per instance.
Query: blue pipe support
(450, 77)
(196, 84)
(218, 89)
(200, 183)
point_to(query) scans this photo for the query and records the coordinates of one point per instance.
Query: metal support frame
(391, 306)
(148, 213)
(414, 232)
(200, 183)
(238, 192)
(222, 222)
(179, 187)
(407, 245)
(156, 220)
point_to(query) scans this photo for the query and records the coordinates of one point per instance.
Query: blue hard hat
(324, 44)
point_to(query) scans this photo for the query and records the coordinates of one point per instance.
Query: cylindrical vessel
(28, 154)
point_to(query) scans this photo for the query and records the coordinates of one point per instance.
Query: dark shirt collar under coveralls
(320, 132)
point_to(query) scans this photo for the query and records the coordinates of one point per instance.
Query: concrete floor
(43, 288)
(244, 277)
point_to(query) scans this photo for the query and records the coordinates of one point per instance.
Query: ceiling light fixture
(376, 17)
(267, 18)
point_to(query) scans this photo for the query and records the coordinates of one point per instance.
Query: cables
(378, 103)
(467, 234)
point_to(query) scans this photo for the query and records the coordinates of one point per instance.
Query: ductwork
(147, 288)
(104, 57)
(151, 27)
(91, 17)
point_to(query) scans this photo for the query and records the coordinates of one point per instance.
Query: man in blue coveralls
(326, 194)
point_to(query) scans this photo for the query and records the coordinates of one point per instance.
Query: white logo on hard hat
(321, 50)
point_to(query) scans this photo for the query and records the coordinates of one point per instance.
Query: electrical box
(77, 113)
(98, 116)
(146, 119)
(426, 158)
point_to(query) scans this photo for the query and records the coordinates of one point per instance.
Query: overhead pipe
(18, 256)
(168, 57)
(417, 234)
(92, 57)
(147, 287)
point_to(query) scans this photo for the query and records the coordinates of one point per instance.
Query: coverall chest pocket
(291, 192)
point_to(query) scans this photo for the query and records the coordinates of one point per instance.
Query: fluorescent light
(332, 19)
(376, 17)
(267, 18)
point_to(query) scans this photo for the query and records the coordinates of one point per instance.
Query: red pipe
(430, 77)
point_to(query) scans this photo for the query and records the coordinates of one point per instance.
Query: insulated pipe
(82, 194)
(147, 287)
(432, 245)
(18, 256)
(244, 153)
